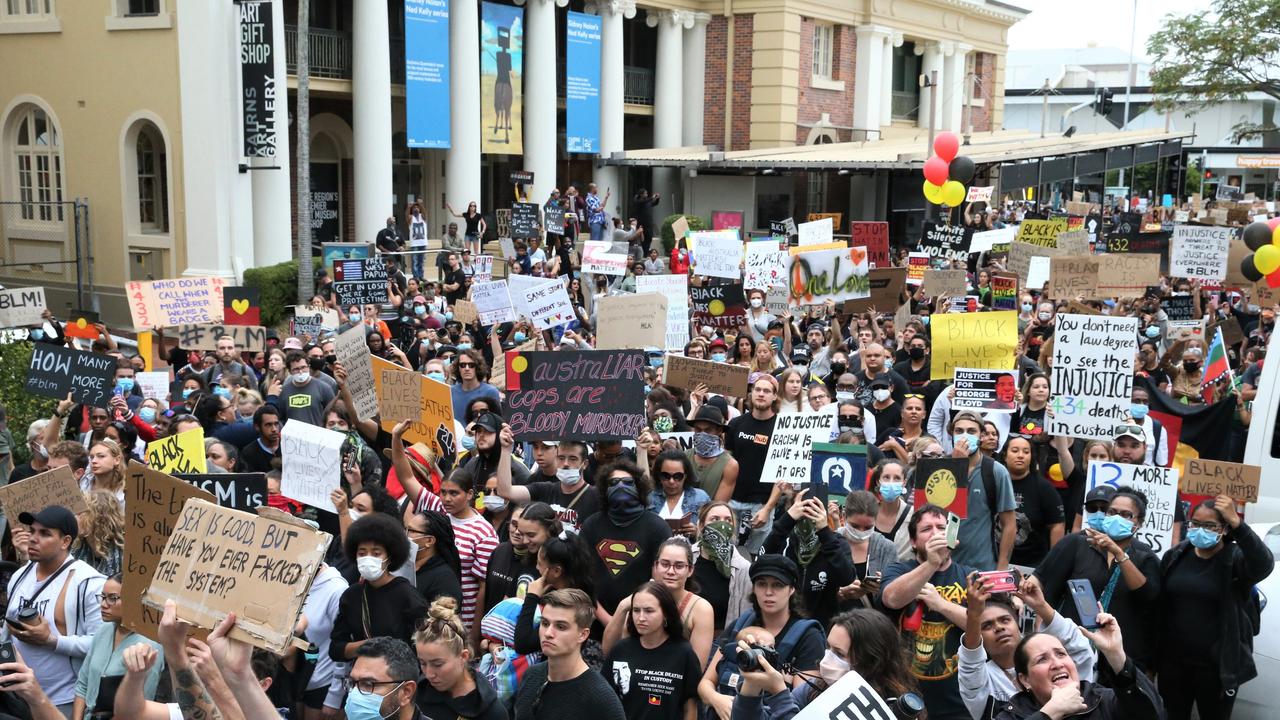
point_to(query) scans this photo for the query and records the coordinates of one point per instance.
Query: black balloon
(961, 169)
(1257, 234)
(1246, 266)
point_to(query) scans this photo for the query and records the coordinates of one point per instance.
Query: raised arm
(517, 494)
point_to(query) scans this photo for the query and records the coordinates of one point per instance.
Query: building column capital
(929, 47)
(875, 31)
(700, 18)
(674, 18)
(625, 8)
(963, 49)
(898, 39)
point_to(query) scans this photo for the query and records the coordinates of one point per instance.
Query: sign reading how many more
(584, 394)
(1200, 252)
(360, 282)
(22, 306)
(1159, 484)
(1093, 366)
(55, 371)
(179, 301)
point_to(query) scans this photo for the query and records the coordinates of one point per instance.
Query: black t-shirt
(713, 587)
(451, 277)
(507, 575)
(916, 379)
(574, 508)
(887, 420)
(748, 439)
(1039, 506)
(654, 684)
(566, 699)
(1192, 591)
(625, 554)
(934, 640)
(22, 472)
(435, 578)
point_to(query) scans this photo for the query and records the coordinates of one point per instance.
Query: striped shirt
(476, 541)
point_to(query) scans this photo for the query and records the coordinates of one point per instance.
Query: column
(540, 80)
(668, 100)
(612, 81)
(886, 85)
(868, 79)
(695, 59)
(462, 162)
(932, 52)
(371, 115)
(272, 209)
(957, 80)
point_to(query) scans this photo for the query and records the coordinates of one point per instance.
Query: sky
(1055, 24)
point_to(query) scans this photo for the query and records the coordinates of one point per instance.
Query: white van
(1263, 446)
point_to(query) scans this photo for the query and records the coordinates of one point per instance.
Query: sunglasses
(670, 476)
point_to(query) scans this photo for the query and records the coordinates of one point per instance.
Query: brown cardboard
(54, 487)
(1201, 476)
(886, 290)
(721, 378)
(1072, 277)
(952, 283)
(1232, 333)
(631, 321)
(464, 311)
(249, 338)
(1127, 274)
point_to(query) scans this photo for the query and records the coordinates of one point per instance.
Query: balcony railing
(906, 105)
(637, 88)
(330, 53)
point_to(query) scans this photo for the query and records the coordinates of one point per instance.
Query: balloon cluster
(945, 174)
(1263, 238)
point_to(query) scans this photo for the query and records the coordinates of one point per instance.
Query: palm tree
(302, 229)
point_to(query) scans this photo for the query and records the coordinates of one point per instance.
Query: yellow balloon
(932, 193)
(953, 193)
(1267, 259)
(1275, 236)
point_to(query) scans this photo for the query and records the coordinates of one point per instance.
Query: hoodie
(320, 609)
(479, 704)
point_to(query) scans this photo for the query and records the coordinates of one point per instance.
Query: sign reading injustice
(258, 78)
(1093, 366)
(55, 371)
(586, 394)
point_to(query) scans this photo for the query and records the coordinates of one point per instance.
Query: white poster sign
(818, 232)
(717, 253)
(980, 194)
(548, 305)
(790, 445)
(493, 302)
(850, 698)
(676, 289)
(154, 385)
(1159, 484)
(1200, 252)
(987, 239)
(22, 306)
(1093, 366)
(312, 463)
(353, 352)
(765, 266)
(597, 260)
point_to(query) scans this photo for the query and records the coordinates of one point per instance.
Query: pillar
(371, 115)
(462, 162)
(932, 61)
(869, 78)
(612, 81)
(886, 84)
(668, 101)
(540, 80)
(957, 79)
(695, 59)
(272, 209)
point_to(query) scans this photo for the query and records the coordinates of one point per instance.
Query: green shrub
(23, 407)
(278, 285)
(669, 238)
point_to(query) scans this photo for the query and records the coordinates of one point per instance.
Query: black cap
(779, 567)
(799, 353)
(880, 382)
(54, 517)
(708, 413)
(488, 421)
(1101, 493)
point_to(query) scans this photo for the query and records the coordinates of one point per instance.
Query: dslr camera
(749, 659)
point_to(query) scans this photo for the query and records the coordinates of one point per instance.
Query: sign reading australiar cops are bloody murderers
(586, 394)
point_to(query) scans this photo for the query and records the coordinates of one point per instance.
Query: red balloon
(936, 170)
(1273, 223)
(946, 145)
(1273, 280)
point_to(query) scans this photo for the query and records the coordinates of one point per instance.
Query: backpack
(728, 677)
(988, 469)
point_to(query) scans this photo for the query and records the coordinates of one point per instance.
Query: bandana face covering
(717, 542)
(807, 534)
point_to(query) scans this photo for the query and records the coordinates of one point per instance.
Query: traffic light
(1102, 102)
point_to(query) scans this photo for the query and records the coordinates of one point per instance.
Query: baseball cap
(420, 299)
(717, 342)
(1130, 430)
(800, 354)
(54, 517)
(1101, 493)
(492, 422)
(880, 382)
(292, 343)
(779, 567)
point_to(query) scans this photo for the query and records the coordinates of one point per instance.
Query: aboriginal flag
(1202, 431)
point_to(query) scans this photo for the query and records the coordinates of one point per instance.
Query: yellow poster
(983, 340)
(178, 454)
(432, 423)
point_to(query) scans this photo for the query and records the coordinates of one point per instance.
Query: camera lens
(747, 659)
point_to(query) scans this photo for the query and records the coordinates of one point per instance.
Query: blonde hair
(443, 612)
(115, 481)
(105, 524)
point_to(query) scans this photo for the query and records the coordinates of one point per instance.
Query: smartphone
(1086, 603)
(7, 655)
(871, 580)
(1001, 581)
(818, 490)
(953, 530)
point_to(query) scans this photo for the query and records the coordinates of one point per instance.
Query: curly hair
(104, 527)
(380, 529)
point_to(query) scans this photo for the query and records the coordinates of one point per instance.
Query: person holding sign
(1205, 608)
(804, 535)
(105, 657)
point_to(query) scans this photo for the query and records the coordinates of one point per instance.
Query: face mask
(436, 375)
(845, 396)
(495, 503)
(148, 414)
(356, 317)
(624, 503)
(354, 514)
(42, 451)
(663, 424)
(655, 362)
(890, 491)
(757, 303)
(719, 357)
(971, 440)
(706, 445)
(1026, 307)
(849, 422)
(125, 385)
(468, 442)
(1096, 520)
(1137, 411)
(880, 395)
(518, 337)
(1203, 539)
(300, 378)
(924, 320)
(1191, 366)
(370, 568)
(569, 476)
(832, 668)
(854, 535)
(838, 368)
(1117, 528)
(37, 335)
(916, 353)
(186, 393)
(419, 310)
(448, 315)
(366, 707)
(1153, 331)
(221, 391)
(1044, 316)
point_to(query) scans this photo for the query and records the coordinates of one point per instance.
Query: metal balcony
(330, 53)
(637, 88)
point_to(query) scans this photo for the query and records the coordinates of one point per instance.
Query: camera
(749, 659)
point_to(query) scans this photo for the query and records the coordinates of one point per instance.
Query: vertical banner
(257, 79)
(502, 79)
(582, 83)
(426, 72)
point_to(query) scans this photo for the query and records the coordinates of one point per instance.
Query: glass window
(153, 191)
(37, 156)
(823, 50)
(142, 7)
(27, 8)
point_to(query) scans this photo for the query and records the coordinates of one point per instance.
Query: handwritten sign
(493, 302)
(1021, 253)
(179, 301)
(548, 304)
(1093, 366)
(1072, 277)
(631, 321)
(995, 241)
(464, 311)
(821, 275)
(525, 219)
(598, 260)
(249, 338)
(676, 289)
(238, 491)
(764, 265)
(154, 385)
(1127, 275)
(917, 263)
(55, 371)
(1004, 291)
(1159, 484)
(717, 253)
(721, 378)
(945, 282)
(1041, 232)
(947, 242)
(874, 236)
(979, 193)
(817, 232)
(1211, 478)
(1200, 252)
(431, 415)
(360, 282)
(180, 453)
(312, 463)
(985, 390)
(791, 445)
(54, 487)
(311, 322)
(583, 394)
(352, 351)
(984, 341)
(943, 482)
(718, 306)
(22, 306)
(886, 290)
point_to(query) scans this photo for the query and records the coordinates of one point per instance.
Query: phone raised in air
(953, 530)
(1086, 602)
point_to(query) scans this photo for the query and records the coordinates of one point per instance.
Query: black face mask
(849, 422)
(1191, 366)
(916, 353)
(838, 368)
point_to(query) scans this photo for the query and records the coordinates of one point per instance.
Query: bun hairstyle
(443, 625)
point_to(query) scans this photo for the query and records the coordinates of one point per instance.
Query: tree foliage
(23, 407)
(1218, 55)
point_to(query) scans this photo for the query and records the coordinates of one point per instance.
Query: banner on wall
(582, 83)
(426, 72)
(501, 79)
(258, 79)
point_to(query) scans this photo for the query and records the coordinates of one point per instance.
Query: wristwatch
(1123, 559)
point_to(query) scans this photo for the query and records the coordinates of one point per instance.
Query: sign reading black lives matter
(1093, 365)
(360, 282)
(985, 390)
(258, 79)
(586, 394)
(56, 371)
(949, 242)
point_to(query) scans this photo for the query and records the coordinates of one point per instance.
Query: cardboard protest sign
(432, 415)
(1081, 208)
(995, 241)
(548, 305)
(1127, 275)
(55, 371)
(680, 227)
(983, 341)
(948, 242)
(219, 561)
(718, 306)
(841, 468)
(1093, 366)
(1200, 252)
(583, 394)
(717, 253)
(312, 463)
(722, 378)
(790, 446)
(311, 322)
(1004, 291)
(764, 266)
(238, 491)
(943, 482)
(850, 698)
(886, 290)
(631, 321)
(154, 385)
(598, 259)
(493, 302)
(777, 301)
(874, 236)
(1232, 333)
(525, 219)
(1072, 277)
(1159, 484)
(945, 282)
(1236, 253)
(917, 263)
(180, 453)
(822, 275)
(22, 306)
(1211, 478)
(178, 301)
(53, 487)
(241, 305)
(1176, 330)
(1021, 253)
(464, 311)
(817, 232)
(985, 390)
(837, 245)
(360, 282)
(205, 337)
(676, 289)
(352, 350)
(82, 324)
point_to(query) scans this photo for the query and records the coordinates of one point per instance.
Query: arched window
(153, 184)
(37, 159)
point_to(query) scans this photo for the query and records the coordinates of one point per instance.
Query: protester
(869, 551)
(803, 535)
(654, 668)
(747, 438)
(721, 571)
(452, 687)
(100, 542)
(436, 561)
(104, 659)
(565, 684)
(674, 571)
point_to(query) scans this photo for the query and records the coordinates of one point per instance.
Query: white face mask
(832, 668)
(880, 395)
(300, 378)
(757, 303)
(845, 396)
(354, 514)
(1044, 316)
(370, 567)
(569, 476)
(495, 503)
